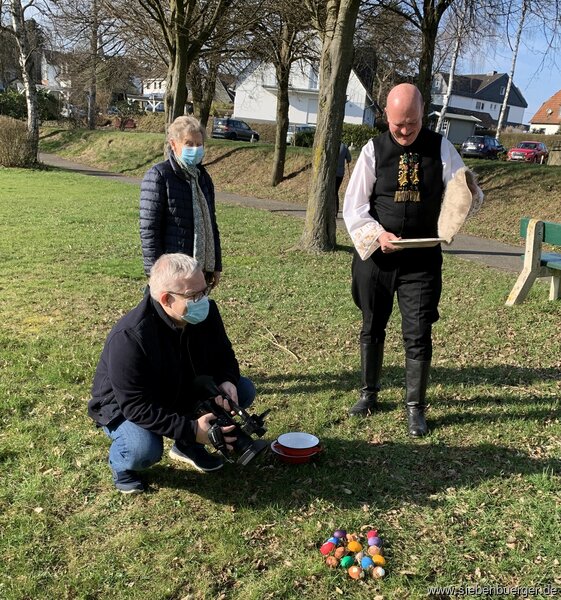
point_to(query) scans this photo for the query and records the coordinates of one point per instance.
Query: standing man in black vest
(395, 192)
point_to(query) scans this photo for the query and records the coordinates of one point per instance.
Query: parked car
(294, 130)
(481, 146)
(533, 152)
(233, 129)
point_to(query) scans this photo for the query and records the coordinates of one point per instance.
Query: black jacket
(166, 212)
(147, 367)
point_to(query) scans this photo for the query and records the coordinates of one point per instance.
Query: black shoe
(364, 407)
(127, 482)
(416, 421)
(196, 456)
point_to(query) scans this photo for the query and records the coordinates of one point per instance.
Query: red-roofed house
(548, 118)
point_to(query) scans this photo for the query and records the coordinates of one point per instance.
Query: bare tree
(426, 17)
(471, 24)
(387, 49)
(335, 20)
(87, 37)
(502, 116)
(25, 57)
(185, 25)
(283, 38)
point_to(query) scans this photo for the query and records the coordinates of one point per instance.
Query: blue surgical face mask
(196, 311)
(192, 155)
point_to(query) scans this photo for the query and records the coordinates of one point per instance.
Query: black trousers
(416, 276)
(338, 182)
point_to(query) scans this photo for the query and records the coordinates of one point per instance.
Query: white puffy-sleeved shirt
(362, 227)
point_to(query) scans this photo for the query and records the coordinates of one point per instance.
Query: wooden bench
(536, 262)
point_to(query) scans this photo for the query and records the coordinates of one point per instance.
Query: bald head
(404, 111)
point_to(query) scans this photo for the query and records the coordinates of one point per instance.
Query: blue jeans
(135, 448)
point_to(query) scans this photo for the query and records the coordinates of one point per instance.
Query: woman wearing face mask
(177, 212)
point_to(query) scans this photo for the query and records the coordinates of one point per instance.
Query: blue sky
(536, 74)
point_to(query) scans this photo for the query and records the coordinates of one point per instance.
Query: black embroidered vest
(408, 191)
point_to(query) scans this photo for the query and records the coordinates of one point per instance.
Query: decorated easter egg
(356, 572)
(379, 560)
(358, 556)
(347, 561)
(354, 546)
(333, 540)
(351, 537)
(374, 550)
(378, 572)
(339, 533)
(372, 533)
(340, 552)
(375, 541)
(366, 562)
(331, 562)
(327, 548)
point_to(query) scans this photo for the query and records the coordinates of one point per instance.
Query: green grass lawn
(476, 502)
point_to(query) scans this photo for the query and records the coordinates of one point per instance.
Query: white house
(256, 96)
(548, 118)
(480, 96)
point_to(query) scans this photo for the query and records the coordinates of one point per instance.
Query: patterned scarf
(203, 245)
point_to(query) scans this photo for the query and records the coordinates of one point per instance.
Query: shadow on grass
(227, 154)
(385, 475)
(297, 172)
(345, 381)
(147, 163)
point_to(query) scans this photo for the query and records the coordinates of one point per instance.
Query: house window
(147, 85)
(159, 85)
(502, 91)
(560, 111)
(479, 105)
(314, 77)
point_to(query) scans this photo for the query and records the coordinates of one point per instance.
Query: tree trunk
(283, 106)
(176, 94)
(429, 29)
(195, 81)
(208, 92)
(25, 61)
(168, 96)
(335, 67)
(450, 80)
(92, 92)
(202, 88)
(502, 115)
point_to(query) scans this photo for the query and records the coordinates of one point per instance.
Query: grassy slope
(512, 190)
(476, 502)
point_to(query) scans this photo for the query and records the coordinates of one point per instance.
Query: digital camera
(245, 425)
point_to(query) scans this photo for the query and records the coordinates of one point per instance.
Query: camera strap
(216, 438)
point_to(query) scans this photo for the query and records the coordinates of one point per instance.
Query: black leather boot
(371, 358)
(416, 379)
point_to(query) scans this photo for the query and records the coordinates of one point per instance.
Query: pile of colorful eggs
(348, 550)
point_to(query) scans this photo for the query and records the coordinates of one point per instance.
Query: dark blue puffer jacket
(166, 212)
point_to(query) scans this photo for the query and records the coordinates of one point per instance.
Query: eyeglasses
(195, 296)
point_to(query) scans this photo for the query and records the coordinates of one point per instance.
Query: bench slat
(551, 231)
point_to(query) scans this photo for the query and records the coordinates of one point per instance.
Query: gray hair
(167, 269)
(183, 125)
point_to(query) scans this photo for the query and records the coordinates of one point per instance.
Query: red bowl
(279, 451)
(297, 451)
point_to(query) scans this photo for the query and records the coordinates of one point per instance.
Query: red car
(533, 152)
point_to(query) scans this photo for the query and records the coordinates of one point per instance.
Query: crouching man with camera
(143, 388)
